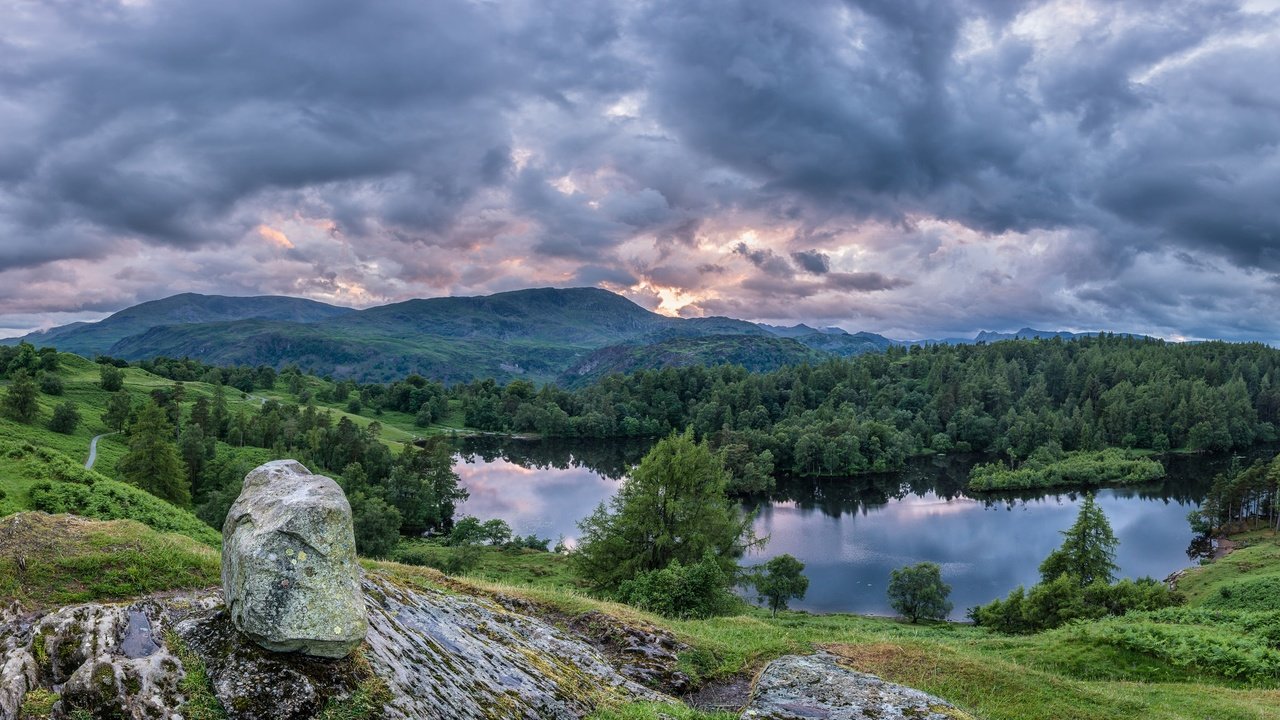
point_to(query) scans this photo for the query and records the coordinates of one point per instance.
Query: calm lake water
(850, 533)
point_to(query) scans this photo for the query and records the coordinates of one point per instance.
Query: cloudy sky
(912, 167)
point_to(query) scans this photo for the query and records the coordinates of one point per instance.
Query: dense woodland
(872, 412)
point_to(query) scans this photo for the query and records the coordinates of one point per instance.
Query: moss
(40, 650)
(366, 702)
(37, 704)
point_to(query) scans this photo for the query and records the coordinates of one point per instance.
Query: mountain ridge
(540, 334)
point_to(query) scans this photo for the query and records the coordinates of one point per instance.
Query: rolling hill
(539, 334)
(89, 339)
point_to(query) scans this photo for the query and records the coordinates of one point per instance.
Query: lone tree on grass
(65, 418)
(1088, 552)
(779, 581)
(20, 400)
(917, 591)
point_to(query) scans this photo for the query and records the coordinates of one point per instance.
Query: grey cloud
(812, 261)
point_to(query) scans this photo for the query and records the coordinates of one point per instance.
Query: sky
(919, 168)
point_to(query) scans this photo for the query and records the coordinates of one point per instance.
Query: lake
(851, 532)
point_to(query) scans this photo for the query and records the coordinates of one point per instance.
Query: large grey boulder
(289, 572)
(802, 687)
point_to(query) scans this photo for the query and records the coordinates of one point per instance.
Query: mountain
(89, 339)
(535, 334)
(756, 353)
(566, 335)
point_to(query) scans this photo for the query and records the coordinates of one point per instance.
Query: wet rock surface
(447, 657)
(803, 687)
(289, 569)
(428, 655)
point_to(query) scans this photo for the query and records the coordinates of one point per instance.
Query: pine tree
(1088, 551)
(153, 463)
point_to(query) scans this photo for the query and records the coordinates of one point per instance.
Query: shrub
(51, 384)
(698, 590)
(65, 418)
(111, 500)
(1052, 604)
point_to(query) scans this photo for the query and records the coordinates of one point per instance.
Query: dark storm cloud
(812, 261)
(1035, 157)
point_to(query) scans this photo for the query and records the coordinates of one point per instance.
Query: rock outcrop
(802, 687)
(289, 570)
(429, 655)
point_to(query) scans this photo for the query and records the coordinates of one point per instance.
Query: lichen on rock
(289, 570)
(800, 687)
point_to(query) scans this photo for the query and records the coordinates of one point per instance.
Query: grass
(201, 703)
(521, 566)
(52, 560)
(657, 711)
(1257, 562)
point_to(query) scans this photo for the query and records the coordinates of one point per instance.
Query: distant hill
(90, 339)
(540, 334)
(757, 353)
(535, 334)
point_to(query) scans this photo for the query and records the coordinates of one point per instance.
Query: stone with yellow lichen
(289, 570)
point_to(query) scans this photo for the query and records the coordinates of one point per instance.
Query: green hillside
(90, 339)
(753, 352)
(532, 334)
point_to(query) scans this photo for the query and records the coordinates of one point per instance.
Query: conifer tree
(1088, 551)
(153, 463)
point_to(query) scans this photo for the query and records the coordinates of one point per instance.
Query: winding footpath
(93, 450)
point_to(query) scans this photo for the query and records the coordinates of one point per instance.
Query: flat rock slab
(818, 687)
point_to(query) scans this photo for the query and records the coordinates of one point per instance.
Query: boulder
(289, 572)
(797, 687)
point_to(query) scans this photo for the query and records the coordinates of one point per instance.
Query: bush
(65, 418)
(1053, 604)
(111, 377)
(699, 590)
(779, 581)
(917, 591)
(1260, 593)
(51, 384)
